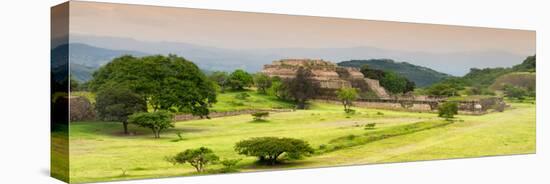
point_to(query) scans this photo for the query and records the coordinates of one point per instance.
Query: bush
(198, 158)
(259, 116)
(229, 165)
(370, 125)
(515, 92)
(242, 96)
(268, 149)
(156, 121)
(447, 110)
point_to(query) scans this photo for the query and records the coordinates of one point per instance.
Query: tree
(511, 91)
(165, 82)
(447, 110)
(372, 73)
(116, 103)
(302, 87)
(347, 96)
(240, 79)
(268, 149)
(443, 89)
(393, 82)
(220, 78)
(409, 86)
(262, 82)
(277, 89)
(156, 121)
(198, 158)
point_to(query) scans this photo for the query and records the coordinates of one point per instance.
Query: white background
(24, 88)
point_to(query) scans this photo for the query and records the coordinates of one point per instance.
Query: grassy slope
(99, 153)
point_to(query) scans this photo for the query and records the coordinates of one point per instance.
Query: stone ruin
(330, 76)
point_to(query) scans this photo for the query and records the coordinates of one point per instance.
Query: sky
(238, 30)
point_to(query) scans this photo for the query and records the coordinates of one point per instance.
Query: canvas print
(150, 92)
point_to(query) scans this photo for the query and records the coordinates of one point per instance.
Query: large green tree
(240, 79)
(302, 87)
(165, 82)
(116, 103)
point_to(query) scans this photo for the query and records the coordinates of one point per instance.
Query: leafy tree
(165, 82)
(515, 92)
(409, 86)
(347, 96)
(116, 103)
(268, 149)
(198, 158)
(393, 82)
(302, 87)
(156, 121)
(262, 82)
(447, 110)
(447, 88)
(220, 78)
(278, 89)
(240, 79)
(372, 73)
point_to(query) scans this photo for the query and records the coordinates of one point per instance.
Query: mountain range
(89, 52)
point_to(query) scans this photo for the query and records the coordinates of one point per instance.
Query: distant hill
(526, 80)
(85, 59)
(210, 57)
(422, 76)
(488, 76)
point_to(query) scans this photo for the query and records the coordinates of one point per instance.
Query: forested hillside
(420, 75)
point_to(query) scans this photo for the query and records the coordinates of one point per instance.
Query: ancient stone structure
(330, 76)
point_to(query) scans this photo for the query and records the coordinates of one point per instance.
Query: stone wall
(187, 117)
(473, 107)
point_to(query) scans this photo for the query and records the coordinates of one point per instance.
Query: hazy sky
(237, 30)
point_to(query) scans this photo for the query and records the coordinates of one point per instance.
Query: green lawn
(100, 153)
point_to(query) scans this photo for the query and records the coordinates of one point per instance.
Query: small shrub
(379, 113)
(260, 116)
(197, 158)
(236, 103)
(229, 165)
(180, 137)
(350, 111)
(370, 125)
(447, 110)
(351, 137)
(242, 96)
(322, 146)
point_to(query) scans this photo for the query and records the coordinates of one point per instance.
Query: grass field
(99, 152)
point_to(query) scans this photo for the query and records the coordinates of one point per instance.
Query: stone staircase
(374, 85)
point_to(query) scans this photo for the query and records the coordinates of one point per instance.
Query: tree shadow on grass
(260, 121)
